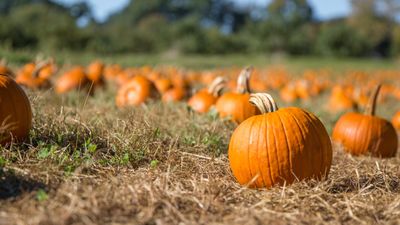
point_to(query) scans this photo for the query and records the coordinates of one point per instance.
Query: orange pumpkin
(236, 104)
(163, 84)
(111, 72)
(279, 146)
(396, 120)
(174, 94)
(15, 111)
(48, 70)
(135, 92)
(340, 100)
(71, 80)
(289, 93)
(33, 76)
(362, 134)
(203, 100)
(95, 72)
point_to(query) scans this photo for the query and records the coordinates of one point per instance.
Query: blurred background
(351, 28)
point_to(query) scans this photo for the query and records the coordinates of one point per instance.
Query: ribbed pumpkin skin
(202, 101)
(236, 106)
(280, 147)
(15, 111)
(396, 121)
(364, 134)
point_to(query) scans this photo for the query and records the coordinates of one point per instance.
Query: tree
(370, 19)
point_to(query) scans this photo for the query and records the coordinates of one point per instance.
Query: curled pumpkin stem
(243, 82)
(371, 107)
(216, 86)
(264, 102)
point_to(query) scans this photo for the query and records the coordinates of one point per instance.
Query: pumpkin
(236, 105)
(95, 72)
(111, 72)
(48, 70)
(15, 111)
(163, 84)
(34, 77)
(135, 92)
(75, 78)
(340, 100)
(203, 100)
(362, 134)
(174, 94)
(303, 89)
(289, 93)
(396, 120)
(360, 97)
(279, 146)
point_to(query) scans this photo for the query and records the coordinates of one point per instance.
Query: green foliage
(342, 40)
(41, 195)
(201, 27)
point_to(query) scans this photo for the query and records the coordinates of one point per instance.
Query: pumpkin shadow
(13, 185)
(365, 183)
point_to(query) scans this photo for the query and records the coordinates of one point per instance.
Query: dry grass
(89, 163)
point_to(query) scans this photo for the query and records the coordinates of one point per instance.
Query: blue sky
(323, 9)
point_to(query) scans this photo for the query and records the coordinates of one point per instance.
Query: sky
(323, 9)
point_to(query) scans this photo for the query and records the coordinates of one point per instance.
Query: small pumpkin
(34, 77)
(163, 84)
(15, 111)
(362, 134)
(111, 72)
(396, 120)
(236, 105)
(340, 100)
(288, 93)
(203, 100)
(279, 146)
(135, 92)
(174, 94)
(95, 73)
(73, 79)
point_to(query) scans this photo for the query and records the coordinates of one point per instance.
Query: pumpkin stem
(216, 86)
(243, 81)
(371, 107)
(264, 102)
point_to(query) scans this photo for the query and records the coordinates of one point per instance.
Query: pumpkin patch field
(198, 140)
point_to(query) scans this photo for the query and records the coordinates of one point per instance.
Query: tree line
(203, 27)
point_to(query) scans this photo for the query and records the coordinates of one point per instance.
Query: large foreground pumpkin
(279, 146)
(236, 104)
(15, 111)
(362, 134)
